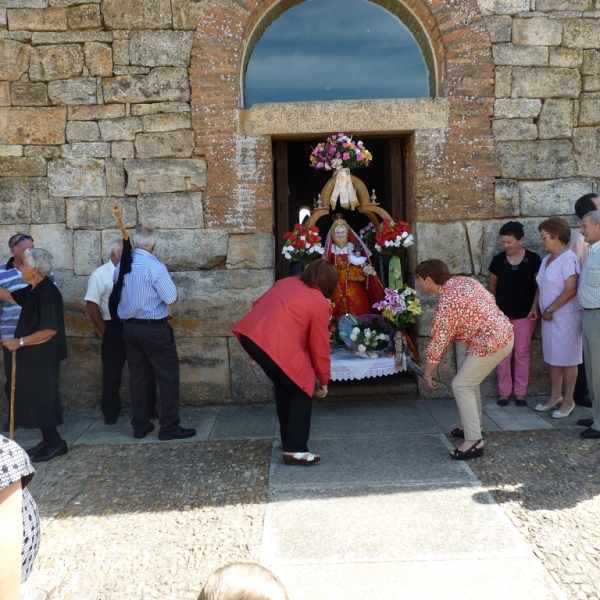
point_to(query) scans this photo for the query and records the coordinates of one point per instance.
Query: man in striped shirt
(148, 291)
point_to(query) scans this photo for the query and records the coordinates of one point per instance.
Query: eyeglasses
(542, 237)
(21, 238)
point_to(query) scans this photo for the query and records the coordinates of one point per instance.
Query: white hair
(114, 247)
(594, 217)
(40, 258)
(144, 238)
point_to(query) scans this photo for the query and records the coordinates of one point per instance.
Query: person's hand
(369, 270)
(546, 316)
(533, 315)
(432, 384)
(11, 344)
(321, 392)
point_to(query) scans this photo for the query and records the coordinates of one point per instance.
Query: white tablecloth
(345, 366)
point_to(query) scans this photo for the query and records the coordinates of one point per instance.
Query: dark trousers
(7, 356)
(151, 351)
(113, 360)
(581, 386)
(294, 406)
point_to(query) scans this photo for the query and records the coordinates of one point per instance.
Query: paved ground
(385, 515)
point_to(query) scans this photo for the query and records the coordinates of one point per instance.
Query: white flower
(327, 167)
(361, 348)
(408, 241)
(388, 243)
(355, 330)
(353, 337)
(377, 247)
(320, 249)
(368, 333)
(311, 250)
(404, 235)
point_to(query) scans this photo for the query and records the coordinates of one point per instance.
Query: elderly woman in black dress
(40, 344)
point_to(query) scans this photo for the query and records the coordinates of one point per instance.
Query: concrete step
(390, 387)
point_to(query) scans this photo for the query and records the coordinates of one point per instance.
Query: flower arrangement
(366, 338)
(340, 152)
(302, 244)
(392, 236)
(367, 235)
(399, 308)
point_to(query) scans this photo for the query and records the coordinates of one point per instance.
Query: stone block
(58, 240)
(73, 91)
(589, 110)
(122, 150)
(120, 49)
(446, 371)
(29, 94)
(570, 58)
(538, 31)
(499, 27)
(15, 200)
(94, 113)
(115, 177)
(546, 83)
(161, 48)
(510, 7)
(83, 131)
(591, 62)
(171, 211)
(46, 19)
(586, 144)
(159, 107)
(186, 13)
(56, 62)
(137, 14)
(166, 122)
(23, 4)
(446, 241)
(591, 83)
(520, 56)
(517, 108)
(84, 16)
(245, 385)
(22, 167)
(98, 59)
(72, 37)
(556, 120)
(46, 208)
(251, 251)
(11, 150)
(86, 251)
(555, 197)
(514, 129)
(33, 126)
(503, 82)
(15, 59)
(559, 5)
(191, 249)
(76, 177)
(545, 159)
(95, 213)
(120, 129)
(205, 308)
(129, 70)
(85, 150)
(506, 198)
(475, 237)
(166, 175)
(162, 84)
(42, 151)
(581, 33)
(5, 93)
(168, 144)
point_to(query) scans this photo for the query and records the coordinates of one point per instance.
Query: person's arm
(6, 296)
(11, 541)
(318, 346)
(533, 313)
(567, 294)
(493, 285)
(39, 337)
(93, 311)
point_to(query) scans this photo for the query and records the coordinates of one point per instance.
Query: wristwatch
(549, 311)
(21, 342)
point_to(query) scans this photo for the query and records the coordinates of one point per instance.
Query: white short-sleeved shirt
(100, 286)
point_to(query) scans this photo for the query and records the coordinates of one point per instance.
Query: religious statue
(358, 286)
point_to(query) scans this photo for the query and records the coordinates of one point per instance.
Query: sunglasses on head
(21, 238)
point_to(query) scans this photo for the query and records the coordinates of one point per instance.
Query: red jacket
(290, 322)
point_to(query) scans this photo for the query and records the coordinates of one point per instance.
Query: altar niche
(298, 185)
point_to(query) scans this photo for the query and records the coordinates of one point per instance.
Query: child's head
(243, 581)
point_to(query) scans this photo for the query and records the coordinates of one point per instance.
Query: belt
(146, 321)
(584, 308)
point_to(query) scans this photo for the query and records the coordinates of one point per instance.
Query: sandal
(472, 452)
(457, 432)
(302, 459)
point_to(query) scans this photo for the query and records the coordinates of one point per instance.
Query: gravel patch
(147, 521)
(548, 483)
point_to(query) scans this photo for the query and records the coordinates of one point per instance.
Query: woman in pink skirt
(561, 315)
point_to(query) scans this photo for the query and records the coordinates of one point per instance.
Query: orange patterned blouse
(467, 313)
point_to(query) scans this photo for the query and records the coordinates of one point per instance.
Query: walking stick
(13, 383)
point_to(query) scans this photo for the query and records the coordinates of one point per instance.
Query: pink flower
(333, 137)
(345, 156)
(345, 145)
(338, 155)
(319, 165)
(359, 157)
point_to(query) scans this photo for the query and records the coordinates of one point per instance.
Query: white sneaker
(547, 407)
(563, 415)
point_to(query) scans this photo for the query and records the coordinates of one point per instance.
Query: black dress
(37, 399)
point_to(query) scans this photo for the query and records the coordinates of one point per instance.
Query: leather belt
(146, 321)
(584, 308)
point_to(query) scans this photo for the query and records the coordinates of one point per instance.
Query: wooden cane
(13, 384)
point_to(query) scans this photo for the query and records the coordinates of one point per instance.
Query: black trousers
(7, 356)
(294, 406)
(581, 386)
(113, 360)
(151, 352)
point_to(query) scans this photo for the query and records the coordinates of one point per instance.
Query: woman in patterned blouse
(466, 312)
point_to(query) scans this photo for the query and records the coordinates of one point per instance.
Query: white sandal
(304, 459)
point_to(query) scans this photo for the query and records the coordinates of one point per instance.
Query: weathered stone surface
(23, 4)
(58, 240)
(537, 160)
(520, 56)
(586, 144)
(92, 113)
(72, 37)
(510, 7)
(161, 48)
(446, 241)
(95, 213)
(4, 93)
(168, 122)
(122, 150)
(171, 211)
(36, 126)
(15, 59)
(73, 91)
(186, 13)
(245, 386)
(546, 83)
(556, 120)
(191, 249)
(591, 62)
(56, 62)
(514, 129)
(591, 83)
(46, 208)
(98, 59)
(129, 70)
(503, 83)
(556, 197)
(11, 150)
(589, 109)
(557, 5)
(47, 19)
(169, 144)
(539, 31)
(83, 131)
(22, 167)
(499, 28)
(517, 108)
(115, 177)
(43, 151)
(120, 129)
(84, 16)
(159, 107)
(76, 177)
(29, 94)
(120, 49)
(86, 251)
(137, 14)
(163, 84)
(15, 195)
(581, 33)
(251, 251)
(166, 175)
(570, 58)
(506, 198)
(446, 369)
(85, 150)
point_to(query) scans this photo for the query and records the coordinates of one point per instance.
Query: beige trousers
(465, 386)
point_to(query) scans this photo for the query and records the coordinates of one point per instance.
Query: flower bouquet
(399, 308)
(366, 336)
(368, 235)
(302, 244)
(392, 237)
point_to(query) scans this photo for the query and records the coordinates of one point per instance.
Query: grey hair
(145, 238)
(594, 217)
(40, 258)
(114, 247)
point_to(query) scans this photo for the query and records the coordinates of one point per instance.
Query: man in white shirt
(113, 355)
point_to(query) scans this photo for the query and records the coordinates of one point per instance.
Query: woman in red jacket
(287, 334)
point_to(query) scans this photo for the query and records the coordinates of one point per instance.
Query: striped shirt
(147, 290)
(10, 279)
(588, 292)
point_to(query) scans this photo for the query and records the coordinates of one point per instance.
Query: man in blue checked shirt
(148, 291)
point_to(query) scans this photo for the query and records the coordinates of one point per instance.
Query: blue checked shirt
(147, 290)
(10, 279)
(588, 292)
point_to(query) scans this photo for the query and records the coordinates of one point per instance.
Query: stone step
(390, 387)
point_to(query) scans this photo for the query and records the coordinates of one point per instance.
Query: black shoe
(7, 426)
(153, 415)
(502, 402)
(457, 432)
(33, 451)
(590, 434)
(50, 452)
(179, 433)
(138, 435)
(585, 422)
(110, 420)
(472, 452)
(519, 402)
(586, 402)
